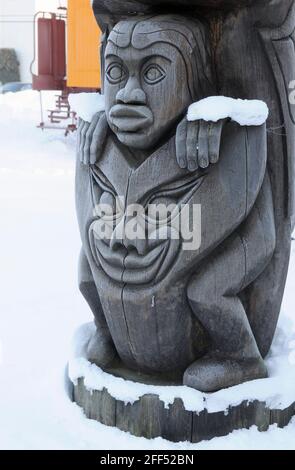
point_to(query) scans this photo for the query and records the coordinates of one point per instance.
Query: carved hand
(91, 137)
(198, 143)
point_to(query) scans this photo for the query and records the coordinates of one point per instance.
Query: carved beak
(130, 117)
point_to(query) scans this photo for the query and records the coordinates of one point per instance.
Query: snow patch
(278, 391)
(214, 108)
(86, 105)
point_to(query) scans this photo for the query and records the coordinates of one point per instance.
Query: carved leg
(101, 349)
(263, 298)
(213, 294)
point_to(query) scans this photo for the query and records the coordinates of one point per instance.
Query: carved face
(138, 246)
(133, 237)
(146, 91)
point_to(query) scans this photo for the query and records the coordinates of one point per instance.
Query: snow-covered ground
(40, 306)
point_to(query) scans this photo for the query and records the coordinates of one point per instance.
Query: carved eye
(154, 74)
(115, 73)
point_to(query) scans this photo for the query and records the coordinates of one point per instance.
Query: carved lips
(131, 118)
(129, 267)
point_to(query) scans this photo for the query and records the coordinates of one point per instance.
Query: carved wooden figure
(203, 316)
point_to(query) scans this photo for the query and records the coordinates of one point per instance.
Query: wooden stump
(148, 417)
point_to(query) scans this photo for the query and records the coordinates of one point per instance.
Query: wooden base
(149, 418)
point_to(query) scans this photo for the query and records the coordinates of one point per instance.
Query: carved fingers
(203, 144)
(192, 146)
(198, 143)
(88, 136)
(214, 140)
(91, 138)
(181, 143)
(81, 138)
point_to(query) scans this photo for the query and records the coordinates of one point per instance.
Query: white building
(17, 26)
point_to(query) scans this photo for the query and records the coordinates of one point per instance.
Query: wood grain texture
(204, 317)
(149, 418)
(164, 309)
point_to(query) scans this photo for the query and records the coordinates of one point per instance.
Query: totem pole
(192, 297)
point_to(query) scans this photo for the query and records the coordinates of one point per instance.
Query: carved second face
(154, 222)
(136, 235)
(146, 87)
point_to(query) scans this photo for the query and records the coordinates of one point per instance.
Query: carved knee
(201, 292)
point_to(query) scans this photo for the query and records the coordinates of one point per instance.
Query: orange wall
(83, 69)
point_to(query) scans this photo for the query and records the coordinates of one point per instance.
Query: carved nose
(131, 95)
(120, 240)
(138, 246)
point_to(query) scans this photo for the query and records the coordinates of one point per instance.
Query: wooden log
(149, 418)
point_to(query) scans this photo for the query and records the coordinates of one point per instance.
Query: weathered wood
(149, 418)
(206, 314)
(109, 12)
(156, 293)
